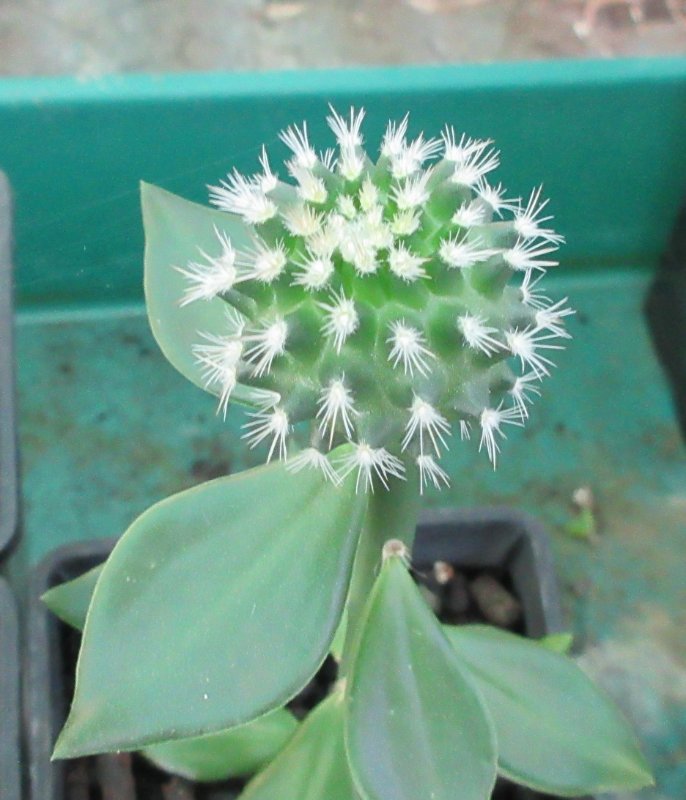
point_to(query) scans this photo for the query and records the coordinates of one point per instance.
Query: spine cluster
(375, 301)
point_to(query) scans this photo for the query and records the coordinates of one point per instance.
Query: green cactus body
(375, 302)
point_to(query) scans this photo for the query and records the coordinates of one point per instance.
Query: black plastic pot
(510, 543)
(502, 539)
(666, 312)
(10, 787)
(10, 762)
(8, 449)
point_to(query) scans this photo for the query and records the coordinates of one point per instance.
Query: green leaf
(216, 606)
(313, 765)
(582, 525)
(557, 642)
(176, 230)
(70, 600)
(415, 726)
(556, 731)
(228, 754)
(238, 751)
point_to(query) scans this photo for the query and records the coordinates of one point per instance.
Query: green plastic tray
(107, 426)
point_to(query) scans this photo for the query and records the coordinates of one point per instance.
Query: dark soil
(131, 777)
(461, 595)
(457, 595)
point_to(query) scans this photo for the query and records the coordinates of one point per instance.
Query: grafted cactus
(382, 308)
(375, 301)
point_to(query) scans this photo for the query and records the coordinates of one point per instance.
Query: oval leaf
(557, 732)
(70, 600)
(313, 765)
(216, 606)
(217, 756)
(176, 231)
(228, 754)
(415, 725)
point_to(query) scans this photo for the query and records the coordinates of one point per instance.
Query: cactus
(380, 309)
(374, 301)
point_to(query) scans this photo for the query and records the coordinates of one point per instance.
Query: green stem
(390, 515)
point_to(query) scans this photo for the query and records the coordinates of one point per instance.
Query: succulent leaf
(415, 726)
(215, 607)
(557, 733)
(313, 765)
(70, 600)
(215, 756)
(227, 754)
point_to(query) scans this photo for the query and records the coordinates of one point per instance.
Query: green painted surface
(107, 426)
(605, 137)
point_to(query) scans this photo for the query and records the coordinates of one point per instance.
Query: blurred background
(75, 150)
(90, 38)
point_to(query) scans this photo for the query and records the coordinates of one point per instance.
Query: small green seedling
(368, 313)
